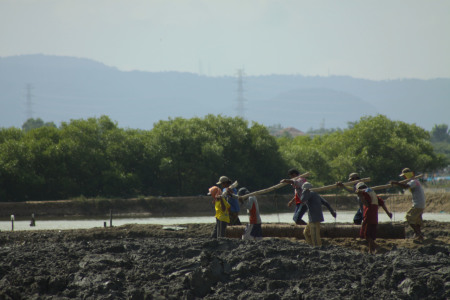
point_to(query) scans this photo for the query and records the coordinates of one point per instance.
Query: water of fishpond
(70, 223)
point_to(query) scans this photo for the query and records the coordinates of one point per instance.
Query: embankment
(195, 206)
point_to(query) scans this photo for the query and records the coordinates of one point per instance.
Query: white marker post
(12, 222)
(33, 220)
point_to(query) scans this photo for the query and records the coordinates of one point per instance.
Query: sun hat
(352, 176)
(361, 185)
(223, 179)
(243, 191)
(404, 171)
(306, 186)
(214, 191)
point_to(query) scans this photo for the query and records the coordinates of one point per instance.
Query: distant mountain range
(65, 88)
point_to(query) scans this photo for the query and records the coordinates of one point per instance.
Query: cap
(353, 176)
(243, 191)
(306, 186)
(223, 179)
(404, 171)
(361, 185)
(214, 191)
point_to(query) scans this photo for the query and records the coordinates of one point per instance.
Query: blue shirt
(234, 203)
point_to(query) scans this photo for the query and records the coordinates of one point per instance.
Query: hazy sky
(385, 39)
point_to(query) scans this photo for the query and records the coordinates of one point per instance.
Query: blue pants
(300, 210)
(358, 218)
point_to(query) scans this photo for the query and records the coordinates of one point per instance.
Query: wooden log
(384, 231)
(318, 189)
(333, 186)
(272, 188)
(386, 186)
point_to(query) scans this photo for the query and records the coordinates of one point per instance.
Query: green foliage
(195, 153)
(36, 123)
(440, 137)
(443, 149)
(375, 147)
(95, 157)
(440, 134)
(99, 160)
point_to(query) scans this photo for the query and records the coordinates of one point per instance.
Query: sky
(377, 40)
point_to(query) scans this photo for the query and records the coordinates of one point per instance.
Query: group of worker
(226, 200)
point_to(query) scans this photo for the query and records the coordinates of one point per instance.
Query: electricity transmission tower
(29, 103)
(240, 93)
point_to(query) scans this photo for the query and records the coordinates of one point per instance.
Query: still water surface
(342, 217)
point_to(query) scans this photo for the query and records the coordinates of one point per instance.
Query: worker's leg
(222, 229)
(315, 234)
(307, 233)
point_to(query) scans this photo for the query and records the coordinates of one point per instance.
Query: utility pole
(240, 92)
(29, 103)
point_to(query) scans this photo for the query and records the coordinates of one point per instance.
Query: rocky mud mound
(148, 262)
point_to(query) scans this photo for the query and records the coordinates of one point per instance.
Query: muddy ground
(149, 262)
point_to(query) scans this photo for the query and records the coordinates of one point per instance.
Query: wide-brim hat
(243, 191)
(306, 186)
(223, 179)
(361, 185)
(213, 191)
(404, 171)
(352, 176)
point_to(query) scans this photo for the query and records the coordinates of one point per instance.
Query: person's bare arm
(383, 205)
(402, 185)
(348, 189)
(292, 201)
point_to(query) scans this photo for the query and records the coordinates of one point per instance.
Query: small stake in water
(33, 221)
(12, 222)
(110, 218)
(104, 224)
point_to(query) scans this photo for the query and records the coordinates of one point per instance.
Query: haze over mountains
(65, 88)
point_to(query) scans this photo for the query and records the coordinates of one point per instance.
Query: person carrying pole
(314, 203)
(300, 209)
(230, 193)
(358, 218)
(369, 225)
(414, 214)
(222, 212)
(253, 231)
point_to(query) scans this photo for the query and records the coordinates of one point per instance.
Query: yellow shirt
(220, 214)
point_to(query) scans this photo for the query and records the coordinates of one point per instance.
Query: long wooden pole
(319, 189)
(386, 186)
(333, 186)
(272, 188)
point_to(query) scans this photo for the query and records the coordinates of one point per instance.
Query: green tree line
(181, 157)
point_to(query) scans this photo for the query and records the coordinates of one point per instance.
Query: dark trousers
(358, 218)
(219, 229)
(234, 219)
(300, 210)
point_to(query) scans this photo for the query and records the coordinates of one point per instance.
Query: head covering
(243, 191)
(306, 186)
(353, 176)
(361, 185)
(223, 179)
(407, 173)
(294, 172)
(214, 191)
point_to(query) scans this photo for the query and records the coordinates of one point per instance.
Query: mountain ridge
(65, 88)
